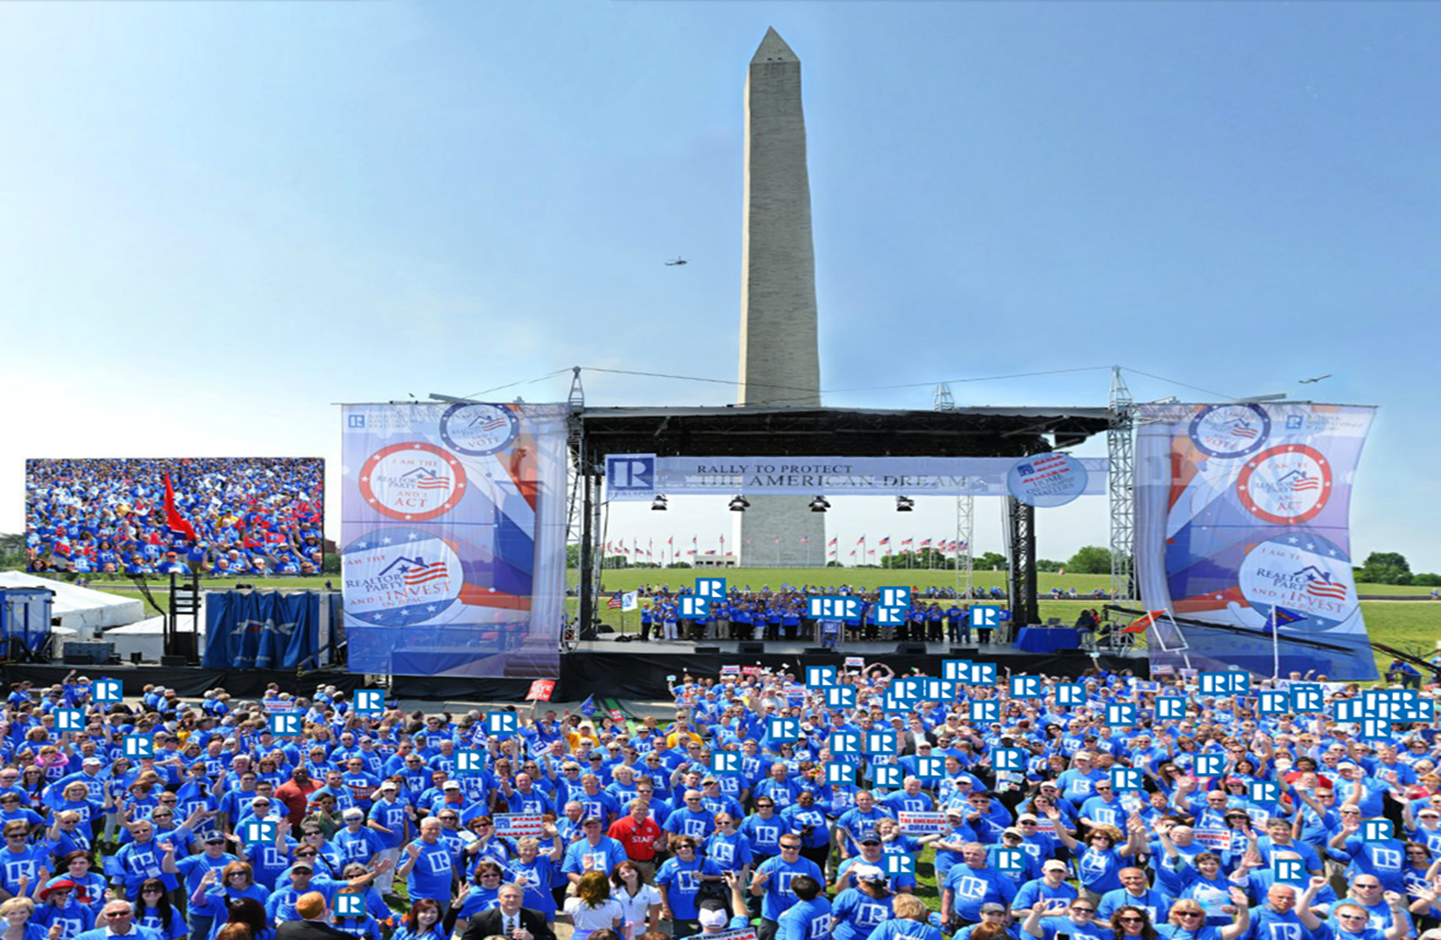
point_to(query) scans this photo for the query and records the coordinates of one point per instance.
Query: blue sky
(222, 218)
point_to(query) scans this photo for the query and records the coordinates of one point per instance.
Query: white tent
(81, 610)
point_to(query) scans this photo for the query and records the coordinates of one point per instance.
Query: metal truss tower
(1120, 447)
(965, 513)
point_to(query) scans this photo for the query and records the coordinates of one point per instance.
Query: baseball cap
(1013, 831)
(868, 873)
(353, 813)
(92, 762)
(302, 866)
(870, 840)
(451, 785)
(1052, 864)
(713, 918)
(1028, 817)
(991, 907)
(390, 787)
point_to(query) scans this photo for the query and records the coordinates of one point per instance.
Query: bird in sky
(1317, 378)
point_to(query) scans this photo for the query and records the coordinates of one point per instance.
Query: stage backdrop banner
(644, 476)
(453, 538)
(1242, 520)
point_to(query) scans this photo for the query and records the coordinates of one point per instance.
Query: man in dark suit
(315, 911)
(509, 920)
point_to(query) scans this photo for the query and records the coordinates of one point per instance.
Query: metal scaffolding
(1121, 483)
(965, 514)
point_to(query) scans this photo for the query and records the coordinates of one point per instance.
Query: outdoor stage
(603, 668)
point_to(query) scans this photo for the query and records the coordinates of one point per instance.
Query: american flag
(423, 573)
(613, 602)
(905, 542)
(885, 541)
(492, 425)
(832, 543)
(432, 482)
(1241, 429)
(805, 539)
(925, 543)
(1303, 482)
(1326, 588)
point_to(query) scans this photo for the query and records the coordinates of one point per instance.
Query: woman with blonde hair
(593, 908)
(1187, 920)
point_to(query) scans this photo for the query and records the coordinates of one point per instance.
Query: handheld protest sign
(469, 761)
(107, 691)
(839, 775)
(898, 864)
(711, 588)
(285, 724)
(820, 677)
(138, 746)
(1025, 686)
(887, 776)
(258, 831)
(882, 743)
(369, 702)
(501, 724)
(349, 905)
(69, 719)
(1070, 694)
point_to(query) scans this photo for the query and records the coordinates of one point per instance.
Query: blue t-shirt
(778, 896)
(432, 873)
(806, 920)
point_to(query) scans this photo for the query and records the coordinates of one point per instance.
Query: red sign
(540, 690)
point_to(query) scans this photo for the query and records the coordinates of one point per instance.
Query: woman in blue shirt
(1099, 862)
(1078, 784)
(1188, 920)
(153, 910)
(423, 923)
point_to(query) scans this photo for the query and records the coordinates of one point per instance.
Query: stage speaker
(136, 657)
(707, 650)
(911, 649)
(750, 648)
(965, 651)
(172, 660)
(184, 647)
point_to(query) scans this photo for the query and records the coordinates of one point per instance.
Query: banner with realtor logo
(1242, 519)
(1042, 479)
(453, 538)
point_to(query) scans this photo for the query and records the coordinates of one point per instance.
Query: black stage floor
(603, 668)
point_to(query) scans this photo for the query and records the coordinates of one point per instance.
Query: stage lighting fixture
(905, 504)
(658, 504)
(819, 504)
(739, 504)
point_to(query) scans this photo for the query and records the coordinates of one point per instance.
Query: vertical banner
(453, 538)
(1242, 520)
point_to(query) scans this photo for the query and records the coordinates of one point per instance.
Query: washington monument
(779, 357)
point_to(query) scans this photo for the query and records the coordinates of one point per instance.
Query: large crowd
(421, 826)
(249, 517)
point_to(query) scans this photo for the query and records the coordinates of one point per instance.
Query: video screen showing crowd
(219, 517)
(762, 806)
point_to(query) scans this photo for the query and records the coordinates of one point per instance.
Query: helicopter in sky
(676, 262)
